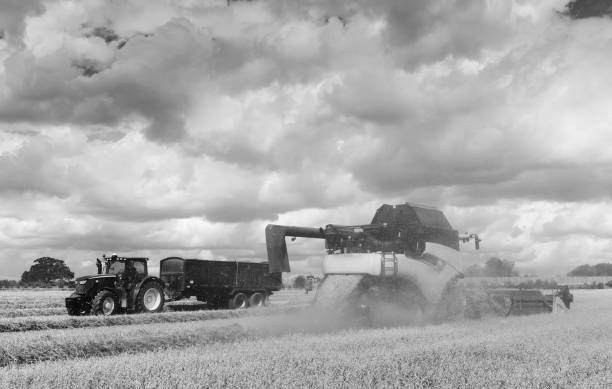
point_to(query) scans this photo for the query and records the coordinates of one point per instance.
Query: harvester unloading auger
(402, 267)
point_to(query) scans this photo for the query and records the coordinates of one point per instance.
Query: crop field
(285, 345)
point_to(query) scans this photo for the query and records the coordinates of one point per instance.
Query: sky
(157, 128)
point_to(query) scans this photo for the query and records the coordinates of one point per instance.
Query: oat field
(285, 346)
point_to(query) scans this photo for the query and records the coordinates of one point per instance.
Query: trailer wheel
(104, 303)
(257, 300)
(150, 298)
(239, 301)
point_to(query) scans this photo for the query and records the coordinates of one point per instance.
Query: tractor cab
(134, 269)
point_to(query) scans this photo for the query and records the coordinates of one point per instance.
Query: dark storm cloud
(581, 9)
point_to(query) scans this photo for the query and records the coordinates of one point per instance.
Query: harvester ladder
(388, 265)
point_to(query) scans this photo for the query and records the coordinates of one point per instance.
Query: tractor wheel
(150, 298)
(239, 301)
(257, 300)
(104, 303)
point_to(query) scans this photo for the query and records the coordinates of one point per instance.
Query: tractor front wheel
(150, 298)
(104, 303)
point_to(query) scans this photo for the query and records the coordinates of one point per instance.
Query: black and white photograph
(305, 194)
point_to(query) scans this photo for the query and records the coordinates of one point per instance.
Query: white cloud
(184, 127)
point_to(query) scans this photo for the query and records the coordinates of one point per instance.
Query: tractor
(122, 285)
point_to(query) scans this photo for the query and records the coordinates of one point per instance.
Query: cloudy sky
(184, 127)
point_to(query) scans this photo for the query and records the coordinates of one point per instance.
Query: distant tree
(603, 269)
(47, 270)
(299, 282)
(581, 271)
(494, 267)
(599, 270)
(5, 284)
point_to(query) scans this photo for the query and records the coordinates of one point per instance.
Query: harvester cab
(121, 285)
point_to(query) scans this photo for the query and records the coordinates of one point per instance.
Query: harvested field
(33, 323)
(295, 350)
(27, 312)
(32, 299)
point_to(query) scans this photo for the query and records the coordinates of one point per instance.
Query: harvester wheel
(104, 303)
(150, 298)
(239, 301)
(257, 300)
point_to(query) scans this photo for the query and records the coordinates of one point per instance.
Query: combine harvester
(402, 267)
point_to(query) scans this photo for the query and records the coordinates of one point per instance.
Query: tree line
(598, 270)
(496, 267)
(52, 272)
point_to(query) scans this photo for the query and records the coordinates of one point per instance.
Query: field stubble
(562, 350)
